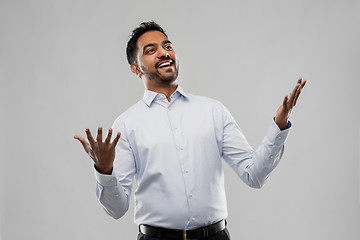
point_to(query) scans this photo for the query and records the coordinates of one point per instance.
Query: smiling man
(154, 58)
(173, 143)
(164, 68)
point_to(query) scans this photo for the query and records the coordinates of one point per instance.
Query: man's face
(156, 58)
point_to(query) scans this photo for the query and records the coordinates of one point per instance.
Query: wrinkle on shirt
(174, 150)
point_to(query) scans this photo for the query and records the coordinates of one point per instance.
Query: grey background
(63, 68)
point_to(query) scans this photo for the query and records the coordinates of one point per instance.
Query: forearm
(267, 156)
(253, 167)
(111, 195)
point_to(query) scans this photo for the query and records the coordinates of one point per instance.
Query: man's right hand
(103, 153)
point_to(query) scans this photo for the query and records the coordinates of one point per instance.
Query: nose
(164, 53)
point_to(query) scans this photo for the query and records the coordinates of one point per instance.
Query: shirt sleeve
(253, 167)
(114, 191)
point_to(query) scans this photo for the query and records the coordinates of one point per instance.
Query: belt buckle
(185, 235)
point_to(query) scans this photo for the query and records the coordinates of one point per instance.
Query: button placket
(174, 116)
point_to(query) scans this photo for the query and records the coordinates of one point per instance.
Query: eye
(168, 47)
(150, 51)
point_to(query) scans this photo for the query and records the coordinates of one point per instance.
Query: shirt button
(190, 195)
(193, 219)
(181, 148)
(279, 137)
(116, 195)
(186, 170)
(271, 156)
(175, 128)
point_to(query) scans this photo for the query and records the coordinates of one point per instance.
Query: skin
(283, 112)
(154, 48)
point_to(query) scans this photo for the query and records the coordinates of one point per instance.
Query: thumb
(83, 142)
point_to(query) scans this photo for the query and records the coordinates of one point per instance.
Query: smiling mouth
(166, 64)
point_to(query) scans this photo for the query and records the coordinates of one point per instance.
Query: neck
(167, 88)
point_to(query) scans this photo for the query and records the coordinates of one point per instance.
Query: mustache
(162, 59)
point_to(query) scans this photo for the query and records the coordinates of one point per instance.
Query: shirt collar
(149, 96)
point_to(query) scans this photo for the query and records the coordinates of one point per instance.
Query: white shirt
(174, 151)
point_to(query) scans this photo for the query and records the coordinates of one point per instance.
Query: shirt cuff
(105, 179)
(275, 135)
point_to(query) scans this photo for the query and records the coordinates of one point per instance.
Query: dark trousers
(223, 235)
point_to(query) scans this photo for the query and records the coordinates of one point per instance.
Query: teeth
(165, 64)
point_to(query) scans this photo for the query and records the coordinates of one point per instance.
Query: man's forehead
(154, 37)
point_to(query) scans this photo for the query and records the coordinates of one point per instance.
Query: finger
(285, 102)
(303, 83)
(89, 137)
(108, 137)
(116, 139)
(80, 138)
(83, 142)
(293, 94)
(99, 135)
(297, 95)
(299, 91)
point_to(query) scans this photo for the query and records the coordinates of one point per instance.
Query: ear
(136, 69)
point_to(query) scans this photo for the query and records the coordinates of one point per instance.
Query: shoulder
(206, 101)
(207, 104)
(131, 113)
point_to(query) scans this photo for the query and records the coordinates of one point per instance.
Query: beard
(157, 76)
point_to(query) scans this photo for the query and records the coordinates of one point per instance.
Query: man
(172, 143)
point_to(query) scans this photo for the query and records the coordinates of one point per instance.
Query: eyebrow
(154, 44)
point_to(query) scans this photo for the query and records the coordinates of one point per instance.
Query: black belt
(197, 233)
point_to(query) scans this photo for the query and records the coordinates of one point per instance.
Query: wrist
(104, 170)
(281, 124)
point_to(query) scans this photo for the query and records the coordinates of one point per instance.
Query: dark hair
(136, 33)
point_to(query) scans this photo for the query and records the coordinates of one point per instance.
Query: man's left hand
(283, 112)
